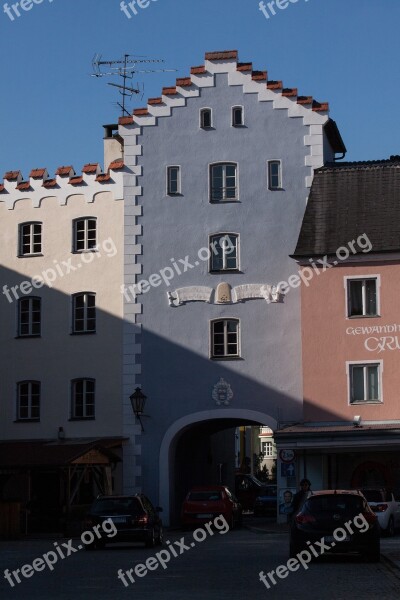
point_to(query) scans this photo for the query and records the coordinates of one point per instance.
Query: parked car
(386, 508)
(134, 517)
(327, 510)
(247, 489)
(204, 503)
(266, 503)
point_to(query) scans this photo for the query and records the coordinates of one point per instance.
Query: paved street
(222, 566)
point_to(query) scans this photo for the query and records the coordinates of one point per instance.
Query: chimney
(113, 145)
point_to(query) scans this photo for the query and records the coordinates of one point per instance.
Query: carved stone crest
(222, 393)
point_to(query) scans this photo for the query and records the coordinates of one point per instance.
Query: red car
(204, 503)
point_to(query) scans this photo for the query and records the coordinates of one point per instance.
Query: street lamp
(138, 401)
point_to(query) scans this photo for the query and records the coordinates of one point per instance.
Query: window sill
(35, 255)
(228, 201)
(218, 358)
(174, 195)
(83, 333)
(363, 402)
(82, 419)
(24, 337)
(352, 317)
(27, 421)
(277, 189)
(226, 272)
(84, 251)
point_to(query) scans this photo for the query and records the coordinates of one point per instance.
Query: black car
(134, 518)
(342, 518)
(265, 504)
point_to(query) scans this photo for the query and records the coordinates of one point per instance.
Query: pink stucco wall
(327, 346)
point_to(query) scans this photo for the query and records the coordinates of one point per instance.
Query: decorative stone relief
(223, 294)
(194, 293)
(250, 291)
(222, 393)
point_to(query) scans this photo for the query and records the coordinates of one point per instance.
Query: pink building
(348, 254)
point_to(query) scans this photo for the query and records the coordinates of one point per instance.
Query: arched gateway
(168, 444)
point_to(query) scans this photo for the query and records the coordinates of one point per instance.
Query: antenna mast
(124, 68)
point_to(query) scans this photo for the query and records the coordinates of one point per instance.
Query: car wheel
(151, 539)
(389, 531)
(160, 537)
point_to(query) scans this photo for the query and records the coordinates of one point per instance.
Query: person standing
(301, 496)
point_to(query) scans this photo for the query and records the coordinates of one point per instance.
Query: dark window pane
(355, 298)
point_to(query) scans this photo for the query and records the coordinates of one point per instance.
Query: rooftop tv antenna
(125, 68)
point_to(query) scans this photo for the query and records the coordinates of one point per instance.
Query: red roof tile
(37, 173)
(184, 82)
(125, 120)
(274, 85)
(117, 164)
(259, 75)
(90, 168)
(304, 100)
(140, 112)
(12, 175)
(153, 101)
(77, 180)
(50, 183)
(102, 177)
(198, 70)
(320, 106)
(64, 171)
(169, 91)
(24, 185)
(225, 54)
(289, 92)
(244, 66)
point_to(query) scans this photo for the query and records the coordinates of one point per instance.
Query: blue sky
(52, 111)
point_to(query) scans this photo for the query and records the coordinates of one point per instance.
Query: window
(84, 313)
(274, 175)
(224, 252)
(237, 116)
(365, 383)
(82, 405)
(267, 449)
(206, 118)
(225, 338)
(173, 181)
(85, 237)
(29, 317)
(30, 239)
(223, 182)
(362, 297)
(28, 401)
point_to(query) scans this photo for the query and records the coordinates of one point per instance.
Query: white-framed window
(365, 381)
(267, 449)
(84, 312)
(223, 182)
(237, 116)
(28, 401)
(83, 399)
(30, 238)
(206, 118)
(362, 296)
(225, 338)
(224, 252)
(85, 234)
(173, 180)
(274, 175)
(29, 317)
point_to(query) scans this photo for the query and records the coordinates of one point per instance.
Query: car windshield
(334, 503)
(115, 506)
(373, 495)
(204, 496)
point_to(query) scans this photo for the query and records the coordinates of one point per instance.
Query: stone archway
(168, 444)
